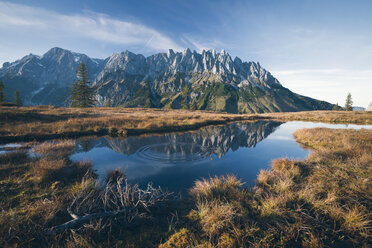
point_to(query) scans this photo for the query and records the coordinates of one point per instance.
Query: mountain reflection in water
(212, 140)
(176, 160)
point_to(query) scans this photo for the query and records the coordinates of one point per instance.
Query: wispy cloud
(200, 43)
(91, 25)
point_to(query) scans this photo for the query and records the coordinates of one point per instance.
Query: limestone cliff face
(190, 80)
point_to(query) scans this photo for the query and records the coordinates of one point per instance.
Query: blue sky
(322, 49)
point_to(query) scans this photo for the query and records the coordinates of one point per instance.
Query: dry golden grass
(183, 238)
(357, 117)
(34, 193)
(221, 188)
(46, 122)
(217, 218)
(334, 181)
(323, 201)
(14, 157)
(340, 182)
(60, 147)
(49, 122)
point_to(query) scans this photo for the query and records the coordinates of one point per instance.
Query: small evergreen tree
(108, 103)
(349, 103)
(17, 98)
(185, 97)
(337, 107)
(148, 103)
(2, 94)
(194, 106)
(82, 94)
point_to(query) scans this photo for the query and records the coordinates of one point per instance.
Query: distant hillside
(358, 109)
(188, 80)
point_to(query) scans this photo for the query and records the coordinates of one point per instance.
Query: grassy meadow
(47, 122)
(322, 201)
(347, 117)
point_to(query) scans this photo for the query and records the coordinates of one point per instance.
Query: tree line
(348, 104)
(17, 96)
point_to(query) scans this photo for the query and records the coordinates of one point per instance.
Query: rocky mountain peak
(55, 52)
(187, 62)
(213, 52)
(188, 79)
(170, 53)
(186, 52)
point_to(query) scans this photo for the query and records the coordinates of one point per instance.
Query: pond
(175, 160)
(8, 147)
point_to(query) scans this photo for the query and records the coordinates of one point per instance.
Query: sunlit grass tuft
(217, 217)
(221, 188)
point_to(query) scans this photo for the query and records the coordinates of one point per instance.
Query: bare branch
(116, 198)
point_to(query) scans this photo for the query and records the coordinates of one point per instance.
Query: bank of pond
(242, 184)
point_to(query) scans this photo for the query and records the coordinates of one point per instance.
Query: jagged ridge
(190, 80)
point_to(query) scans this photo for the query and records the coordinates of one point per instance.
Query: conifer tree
(2, 94)
(108, 103)
(185, 97)
(17, 98)
(147, 103)
(349, 103)
(81, 92)
(337, 107)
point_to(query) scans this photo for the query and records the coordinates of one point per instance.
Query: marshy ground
(47, 122)
(324, 200)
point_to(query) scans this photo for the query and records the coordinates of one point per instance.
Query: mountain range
(208, 80)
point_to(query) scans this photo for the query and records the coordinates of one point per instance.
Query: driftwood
(116, 198)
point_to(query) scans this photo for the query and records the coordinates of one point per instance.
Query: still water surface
(175, 160)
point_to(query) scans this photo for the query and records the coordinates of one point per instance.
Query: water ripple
(173, 152)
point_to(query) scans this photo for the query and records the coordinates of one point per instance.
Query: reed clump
(222, 188)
